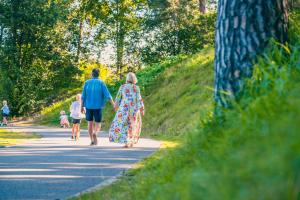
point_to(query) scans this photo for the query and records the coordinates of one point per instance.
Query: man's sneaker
(92, 143)
(72, 137)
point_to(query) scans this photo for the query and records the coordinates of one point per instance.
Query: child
(75, 110)
(64, 122)
(5, 112)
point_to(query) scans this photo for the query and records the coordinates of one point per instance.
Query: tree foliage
(45, 45)
(35, 59)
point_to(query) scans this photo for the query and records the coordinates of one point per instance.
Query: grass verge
(8, 138)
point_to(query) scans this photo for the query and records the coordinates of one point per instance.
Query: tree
(123, 19)
(35, 61)
(202, 6)
(175, 27)
(243, 31)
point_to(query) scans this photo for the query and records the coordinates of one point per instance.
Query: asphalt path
(57, 167)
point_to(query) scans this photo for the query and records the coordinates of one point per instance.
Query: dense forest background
(47, 47)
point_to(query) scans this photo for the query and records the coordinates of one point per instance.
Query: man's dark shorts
(76, 121)
(92, 114)
(4, 115)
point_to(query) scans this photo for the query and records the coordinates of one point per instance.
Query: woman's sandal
(128, 145)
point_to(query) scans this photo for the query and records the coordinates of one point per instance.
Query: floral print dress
(127, 124)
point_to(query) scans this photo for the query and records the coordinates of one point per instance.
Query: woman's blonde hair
(131, 78)
(4, 102)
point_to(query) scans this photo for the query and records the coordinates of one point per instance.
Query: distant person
(127, 124)
(64, 122)
(94, 96)
(5, 113)
(75, 110)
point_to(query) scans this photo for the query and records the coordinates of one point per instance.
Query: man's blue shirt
(95, 94)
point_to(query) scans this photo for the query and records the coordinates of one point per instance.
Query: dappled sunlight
(8, 138)
(169, 144)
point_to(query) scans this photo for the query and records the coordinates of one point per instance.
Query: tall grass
(254, 153)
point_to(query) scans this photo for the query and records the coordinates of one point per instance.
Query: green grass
(11, 138)
(252, 152)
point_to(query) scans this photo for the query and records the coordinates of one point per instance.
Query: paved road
(56, 167)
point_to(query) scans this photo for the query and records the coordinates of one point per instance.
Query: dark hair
(95, 72)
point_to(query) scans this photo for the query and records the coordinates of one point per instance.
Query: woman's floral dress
(127, 124)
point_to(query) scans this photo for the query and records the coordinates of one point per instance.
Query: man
(94, 96)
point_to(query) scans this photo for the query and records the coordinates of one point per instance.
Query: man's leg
(91, 130)
(90, 119)
(97, 129)
(98, 119)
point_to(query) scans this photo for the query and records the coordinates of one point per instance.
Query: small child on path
(5, 112)
(75, 110)
(64, 122)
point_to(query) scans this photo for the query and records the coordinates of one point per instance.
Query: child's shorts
(76, 121)
(4, 114)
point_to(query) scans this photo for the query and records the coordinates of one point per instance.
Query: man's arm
(107, 95)
(113, 104)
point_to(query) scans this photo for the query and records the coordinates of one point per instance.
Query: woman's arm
(118, 98)
(140, 102)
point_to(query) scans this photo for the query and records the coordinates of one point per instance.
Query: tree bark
(243, 31)
(202, 6)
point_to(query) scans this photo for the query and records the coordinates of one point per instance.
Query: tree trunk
(202, 6)
(243, 31)
(120, 47)
(79, 40)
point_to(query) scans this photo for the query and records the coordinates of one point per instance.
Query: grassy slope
(252, 153)
(9, 138)
(175, 94)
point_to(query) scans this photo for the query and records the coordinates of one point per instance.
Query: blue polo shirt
(95, 94)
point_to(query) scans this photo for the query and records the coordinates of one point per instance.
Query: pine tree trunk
(243, 31)
(202, 6)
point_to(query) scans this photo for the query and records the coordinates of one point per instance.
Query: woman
(127, 124)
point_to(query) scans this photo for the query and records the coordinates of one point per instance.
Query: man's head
(95, 73)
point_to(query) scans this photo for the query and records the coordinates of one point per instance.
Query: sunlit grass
(253, 153)
(11, 138)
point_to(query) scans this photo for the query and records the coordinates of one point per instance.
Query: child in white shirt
(75, 110)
